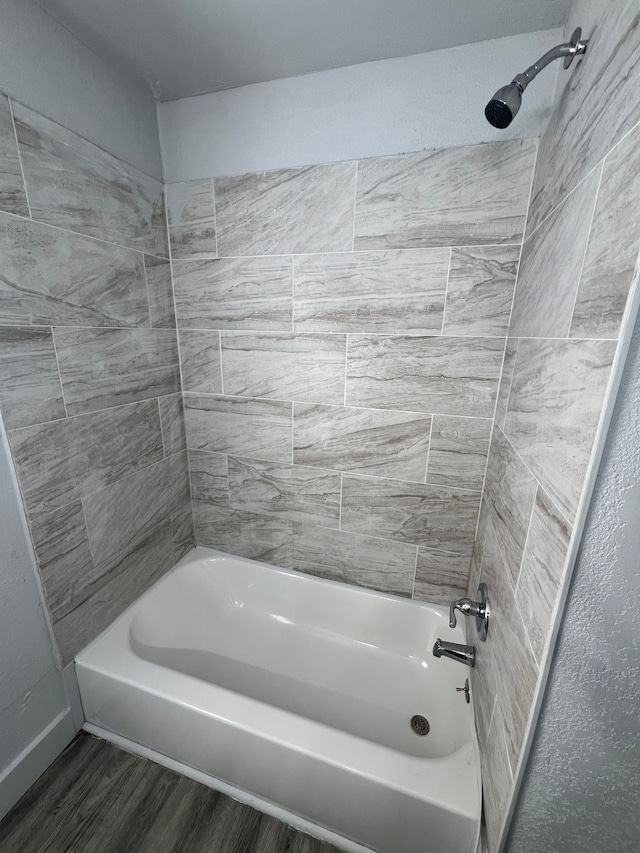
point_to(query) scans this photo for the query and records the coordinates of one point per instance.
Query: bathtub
(295, 694)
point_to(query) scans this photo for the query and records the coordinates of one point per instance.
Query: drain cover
(420, 724)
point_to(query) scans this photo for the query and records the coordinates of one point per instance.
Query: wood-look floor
(96, 798)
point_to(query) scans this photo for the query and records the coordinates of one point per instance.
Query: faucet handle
(479, 609)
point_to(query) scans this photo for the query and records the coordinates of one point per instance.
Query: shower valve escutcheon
(479, 609)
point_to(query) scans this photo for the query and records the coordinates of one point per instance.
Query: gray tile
(62, 548)
(368, 441)
(542, 570)
(594, 111)
(480, 290)
(393, 291)
(241, 426)
(209, 477)
(139, 569)
(361, 560)
(612, 251)
(411, 201)
(451, 376)
(13, 198)
(159, 292)
(110, 367)
(430, 516)
(60, 462)
(442, 578)
(243, 533)
(556, 399)
(30, 390)
(550, 267)
(53, 277)
(180, 510)
(498, 785)
(292, 493)
(74, 184)
(505, 381)
(302, 367)
(191, 219)
(287, 211)
(509, 495)
(172, 420)
(458, 453)
(200, 361)
(234, 293)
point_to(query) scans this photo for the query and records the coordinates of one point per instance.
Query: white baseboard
(23, 771)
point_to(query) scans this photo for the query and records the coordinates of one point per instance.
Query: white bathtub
(297, 691)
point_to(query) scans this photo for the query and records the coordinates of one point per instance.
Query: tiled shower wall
(577, 269)
(342, 330)
(89, 371)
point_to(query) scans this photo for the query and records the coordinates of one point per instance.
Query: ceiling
(187, 47)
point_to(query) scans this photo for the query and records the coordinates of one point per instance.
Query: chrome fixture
(465, 690)
(503, 107)
(455, 651)
(480, 609)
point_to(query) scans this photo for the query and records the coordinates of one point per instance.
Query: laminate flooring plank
(96, 798)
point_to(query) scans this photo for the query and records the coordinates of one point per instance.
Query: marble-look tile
(242, 533)
(596, 108)
(159, 292)
(509, 495)
(441, 580)
(191, 219)
(60, 462)
(13, 198)
(393, 291)
(367, 441)
(498, 782)
(480, 290)
(76, 185)
(555, 404)
(360, 560)
(209, 474)
(430, 516)
(141, 567)
(293, 493)
(241, 426)
(305, 367)
(62, 548)
(612, 251)
(180, 510)
(451, 376)
(550, 267)
(542, 570)
(412, 201)
(285, 212)
(234, 293)
(172, 421)
(505, 381)
(53, 277)
(200, 360)
(458, 453)
(30, 390)
(109, 367)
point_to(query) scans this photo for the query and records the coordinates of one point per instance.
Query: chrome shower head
(503, 107)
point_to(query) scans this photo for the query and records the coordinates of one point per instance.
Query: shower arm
(569, 50)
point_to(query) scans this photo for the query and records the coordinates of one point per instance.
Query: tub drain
(420, 724)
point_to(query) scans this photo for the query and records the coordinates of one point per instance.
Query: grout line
(293, 297)
(215, 213)
(415, 572)
(146, 290)
(64, 401)
(220, 357)
(292, 432)
(586, 249)
(446, 293)
(346, 361)
(355, 198)
(426, 467)
(164, 449)
(340, 515)
(15, 135)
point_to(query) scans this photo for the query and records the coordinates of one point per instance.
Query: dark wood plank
(96, 798)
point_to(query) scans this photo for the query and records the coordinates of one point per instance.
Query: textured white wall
(45, 67)
(430, 100)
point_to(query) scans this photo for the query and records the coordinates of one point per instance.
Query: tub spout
(455, 651)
